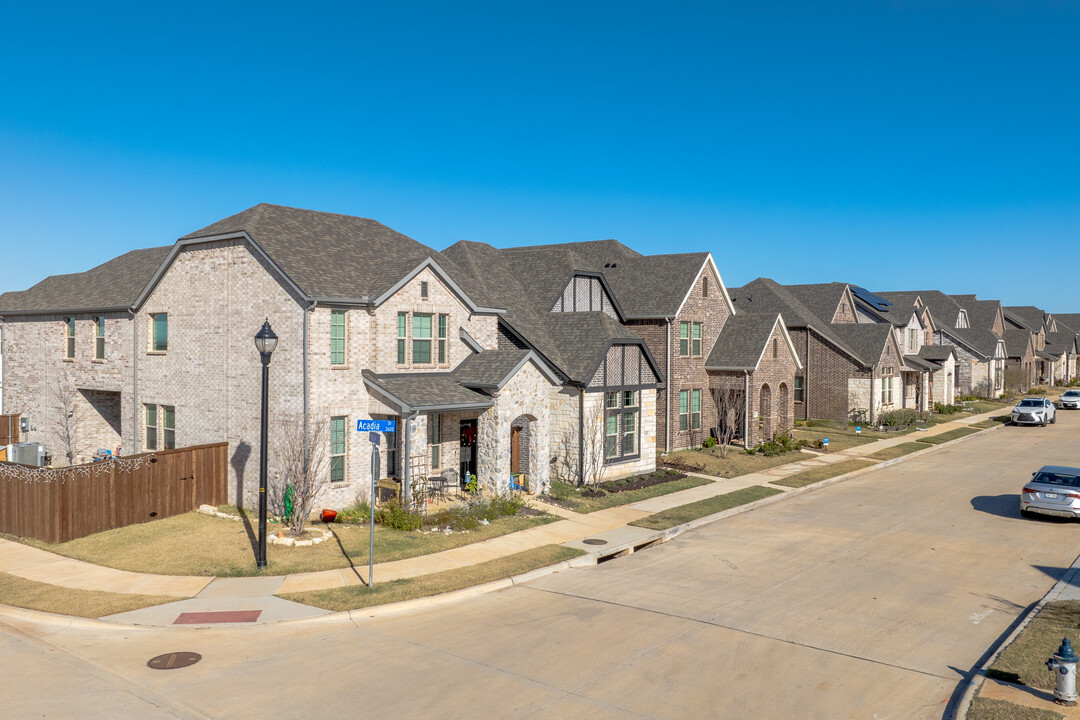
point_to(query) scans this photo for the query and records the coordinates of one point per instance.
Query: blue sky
(902, 145)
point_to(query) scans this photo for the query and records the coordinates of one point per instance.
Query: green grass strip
(897, 450)
(361, 596)
(809, 477)
(701, 508)
(948, 435)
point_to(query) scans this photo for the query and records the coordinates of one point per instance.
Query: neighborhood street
(871, 598)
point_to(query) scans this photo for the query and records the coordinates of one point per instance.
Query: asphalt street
(871, 598)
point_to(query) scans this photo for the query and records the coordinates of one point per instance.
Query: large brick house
(849, 369)
(370, 323)
(677, 305)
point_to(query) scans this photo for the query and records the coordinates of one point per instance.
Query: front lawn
(809, 477)
(24, 593)
(583, 499)
(897, 450)
(1024, 661)
(838, 439)
(360, 596)
(709, 462)
(197, 544)
(948, 435)
(984, 406)
(701, 508)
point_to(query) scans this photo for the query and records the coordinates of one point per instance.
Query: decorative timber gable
(586, 293)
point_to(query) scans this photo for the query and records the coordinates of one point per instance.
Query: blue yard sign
(825, 441)
(384, 426)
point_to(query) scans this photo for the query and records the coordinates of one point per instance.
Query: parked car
(1034, 411)
(1052, 490)
(1071, 399)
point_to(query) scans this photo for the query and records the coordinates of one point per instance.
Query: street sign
(375, 438)
(825, 441)
(383, 426)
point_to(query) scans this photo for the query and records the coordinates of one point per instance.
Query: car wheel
(1053, 419)
(1026, 513)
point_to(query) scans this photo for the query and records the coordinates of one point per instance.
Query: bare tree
(67, 420)
(594, 448)
(301, 469)
(730, 403)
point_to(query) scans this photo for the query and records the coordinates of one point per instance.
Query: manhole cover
(171, 661)
(594, 541)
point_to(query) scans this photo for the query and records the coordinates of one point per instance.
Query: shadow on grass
(348, 558)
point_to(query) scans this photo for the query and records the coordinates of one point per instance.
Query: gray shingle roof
(868, 340)
(329, 255)
(741, 342)
(489, 369)
(920, 363)
(943, 309)
(425, 391)
(937, 353)
(583, 339)
(1016, 341)
(1027, 316)
(654, 286)
(115, 285)
(1071, 320)
(1061, 341)
(978, 341)
(821, 299)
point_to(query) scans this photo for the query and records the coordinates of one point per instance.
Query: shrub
(470, 515)
(782, 443)
(358, 512)
(395, 514)
(1036, 391)
(708, 443)
(899, 418)
(942, 409)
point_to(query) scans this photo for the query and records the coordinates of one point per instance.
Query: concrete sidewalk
(224, 595)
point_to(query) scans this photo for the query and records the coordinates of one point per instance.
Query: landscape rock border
(271, 539)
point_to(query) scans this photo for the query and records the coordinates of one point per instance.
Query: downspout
(581, 436)
(134, 386)
(307, 450)
(746, 412)
(871, 396)
(667, 392)
(806, 378)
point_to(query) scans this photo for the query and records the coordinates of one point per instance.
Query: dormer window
(962, 321)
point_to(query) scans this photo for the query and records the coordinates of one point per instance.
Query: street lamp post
(265, 342)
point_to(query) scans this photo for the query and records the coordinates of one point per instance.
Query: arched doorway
(768, 427)
(522, 448)
(783, 409)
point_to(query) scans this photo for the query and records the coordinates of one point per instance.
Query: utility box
(29, 453)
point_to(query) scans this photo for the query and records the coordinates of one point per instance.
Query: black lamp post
(265, 342)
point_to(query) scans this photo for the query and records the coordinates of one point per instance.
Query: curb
(62, 622)
(979, 677)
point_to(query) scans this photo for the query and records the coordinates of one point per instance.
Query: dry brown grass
(989, 709)
(360, 596)
(1024, 661)
(709, 462)
(692, 511)
(24, 593)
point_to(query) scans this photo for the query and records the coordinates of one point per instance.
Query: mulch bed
(638, 482)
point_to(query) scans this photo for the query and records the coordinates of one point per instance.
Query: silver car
(1034, 411)
(1071, 399)
(1053, 490)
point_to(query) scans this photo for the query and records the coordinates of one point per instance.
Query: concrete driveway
(872, 598)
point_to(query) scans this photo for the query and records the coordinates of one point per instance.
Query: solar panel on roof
(870, 298)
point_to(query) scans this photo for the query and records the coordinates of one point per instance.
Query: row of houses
(551, 361)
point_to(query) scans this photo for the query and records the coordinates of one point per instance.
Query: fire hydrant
(1064, 662)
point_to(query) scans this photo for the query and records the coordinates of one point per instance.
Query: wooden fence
(57, 505)
(9, 429)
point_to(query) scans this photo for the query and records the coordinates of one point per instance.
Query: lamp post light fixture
(265, 342)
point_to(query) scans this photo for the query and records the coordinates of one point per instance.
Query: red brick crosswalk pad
(207, 618)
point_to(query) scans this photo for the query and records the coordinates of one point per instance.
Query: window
(684, 339)
(436, 439)
(695, 345)
(913, 339)
(705, 286)
(684, 410)
(151, 427)
(798, 392)
(168, 424)
(442, 338)
(69, 338)
(689, 410)
(99, 338)
(621, 425)
(391, 453)
(159, 332)
(926, 337)
(337, 449)
(402, 321)
(421, 344)
(423, 290)
(337, 337)
(886, 391)
(695, 409)
(775, 348)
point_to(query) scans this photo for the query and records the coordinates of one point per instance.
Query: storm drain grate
(173, 660)
(209, 618)
(594, 541)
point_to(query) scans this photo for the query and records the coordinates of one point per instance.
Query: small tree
(67, 420)
(594, 449)
(301, 469)
(730, 403)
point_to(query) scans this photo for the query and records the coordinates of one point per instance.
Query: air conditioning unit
(29, 453)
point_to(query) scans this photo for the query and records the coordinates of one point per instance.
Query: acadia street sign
(384, 426)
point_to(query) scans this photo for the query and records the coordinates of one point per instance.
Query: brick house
(849, 369)
(1033, 320)
(370, 323)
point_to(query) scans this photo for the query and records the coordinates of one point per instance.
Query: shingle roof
(821, 299)
(1027, 316)
(426, 391)
(979, 341)
(329, 255)
(491, 368)
(656, 285)
(741, 342)
(1061, 341)
(1016, 341)
(115, 284)
(937, 353)
(868, 340)
(943, 309)
(1071, 320)
(920, 363)
(583, 339)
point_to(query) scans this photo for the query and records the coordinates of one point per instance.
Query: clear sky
(903, 145)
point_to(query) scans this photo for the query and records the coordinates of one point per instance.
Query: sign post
(373, 428)
(825, 444)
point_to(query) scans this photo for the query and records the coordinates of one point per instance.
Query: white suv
(1034, 411)
(1071, 399)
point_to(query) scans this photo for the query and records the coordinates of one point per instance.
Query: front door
(515, 450)
(468, 450)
